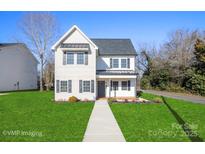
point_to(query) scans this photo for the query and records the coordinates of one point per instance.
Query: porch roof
(116, 72)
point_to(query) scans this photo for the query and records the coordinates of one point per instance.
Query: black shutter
(129, 85)
(128, 62)
(86, 58)
(111, 85)
(69, 86)
(64, 58)
(80, 86)
(110, 62)
(57, 86)
(92, 86)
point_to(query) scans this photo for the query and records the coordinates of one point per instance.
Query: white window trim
(61, 86)
(83, 58)
(124, 87)
(83, 86)
(113, 86)
(125, 62)
(120, 63)
(113, 62)
(67, 58)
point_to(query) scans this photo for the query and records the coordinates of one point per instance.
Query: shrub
(175, 88)
(157, 100)
(73, 99)
(139, 93)
(145, 82)
(196, 84)
(111, 100)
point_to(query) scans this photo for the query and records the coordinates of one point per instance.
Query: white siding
(17, 65)
(75, 72)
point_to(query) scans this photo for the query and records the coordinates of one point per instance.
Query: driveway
(102, 125)
(182, 96)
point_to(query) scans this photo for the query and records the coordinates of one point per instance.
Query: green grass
(35, 112)
(151, 122)
(191, 113)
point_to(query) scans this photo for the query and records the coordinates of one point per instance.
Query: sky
(140, 27)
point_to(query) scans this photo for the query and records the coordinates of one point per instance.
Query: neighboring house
(18, 67)
(92, 68)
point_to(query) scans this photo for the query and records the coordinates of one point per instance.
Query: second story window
(115, 63)
(80, 58)
(70, 58)
(123, 63)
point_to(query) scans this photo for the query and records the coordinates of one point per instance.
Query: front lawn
(155, 122)
(33, 116)
(191, 113)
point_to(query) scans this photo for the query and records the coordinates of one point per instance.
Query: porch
(116, 85)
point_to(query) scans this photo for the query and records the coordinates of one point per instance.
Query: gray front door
(101, 88)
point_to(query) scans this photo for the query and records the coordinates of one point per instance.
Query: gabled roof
(4, 45)
(72, 29)
(104, 46)
(115, 46)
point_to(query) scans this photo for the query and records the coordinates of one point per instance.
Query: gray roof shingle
(115, 46)
(116, 72)
(9, 44)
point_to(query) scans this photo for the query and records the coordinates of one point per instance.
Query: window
(63, 86)
(115, 85)
(86, 86)
(80, 58)
(115, 63)
(123, 63)
(124, 85)
(70, 58)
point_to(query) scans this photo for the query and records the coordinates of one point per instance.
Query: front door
(101, 89)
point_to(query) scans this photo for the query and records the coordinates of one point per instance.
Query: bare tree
(178, 51)
(40, 29)
(49, 74)
(145, 56)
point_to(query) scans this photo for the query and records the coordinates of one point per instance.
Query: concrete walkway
(182, 96)
(102, 126)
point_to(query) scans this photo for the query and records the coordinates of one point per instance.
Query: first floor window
(86, 86)
(70, 58)
(123, 63)
(63, 86)
(115, 85)
(124, 85)
(80, 58)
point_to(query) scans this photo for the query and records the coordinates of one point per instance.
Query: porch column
(109, 88)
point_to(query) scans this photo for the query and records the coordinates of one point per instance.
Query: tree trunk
(47, 88)
(41, 74)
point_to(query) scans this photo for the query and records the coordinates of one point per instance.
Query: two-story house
(93, 68)
(18, 67)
